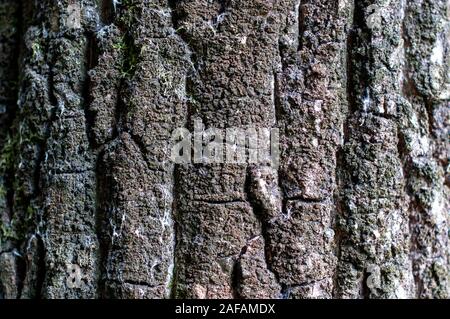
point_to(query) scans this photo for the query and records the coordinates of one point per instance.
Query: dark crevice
(429, 107)
(102, 199)
(11, 132)
(91, 62)
(301, 24)
(285, 291)
(107, 12)
(260, 214)
(236, 278)
(236, 274)
(339, 214)
(359, 58)
(175, 203)
(278, 106)
(340, 171)
(7, 122)
(21, 271)
(365, 291)
(118, 109)
(224, 4)
(175, 14)
(189, 88)
(40, 265)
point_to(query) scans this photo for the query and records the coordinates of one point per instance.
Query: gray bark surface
(91, 205)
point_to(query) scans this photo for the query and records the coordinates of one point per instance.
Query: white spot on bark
(374, 280)
(437, 55)
(318, 105)
(342, 4)
(420, 145)
(437, 209)
(74, 16)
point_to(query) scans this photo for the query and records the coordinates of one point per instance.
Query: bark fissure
(261, 215)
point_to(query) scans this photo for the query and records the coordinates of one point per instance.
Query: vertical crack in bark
(11, 43)
(358, 71)
(176, 186)
(263, 216)
(101, 197)
(408, 90)
(277, 111)
(188, 83)
(113, 14)
(301, 23)
(365, 291)
(173, 276)
(91, 61)
(92, 56)
(41, 270)
(97, 150)
(107, 11)
(349, 108)
(361, 59)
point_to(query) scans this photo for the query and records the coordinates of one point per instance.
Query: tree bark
(93, 207)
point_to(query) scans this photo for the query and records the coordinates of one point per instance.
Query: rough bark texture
(92, 206)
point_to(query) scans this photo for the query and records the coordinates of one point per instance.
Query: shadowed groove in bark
(188, 118)
(92, 59)
(261, 215)
(40, 265)
(360, 63)
(91, 62)
(340, 161)
(107, 11)
(101, 198)
(301, 23)
(112, 14)
(12, 45)
(358, 66)
(176, 228)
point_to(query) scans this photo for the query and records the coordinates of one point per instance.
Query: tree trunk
(92, 206)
